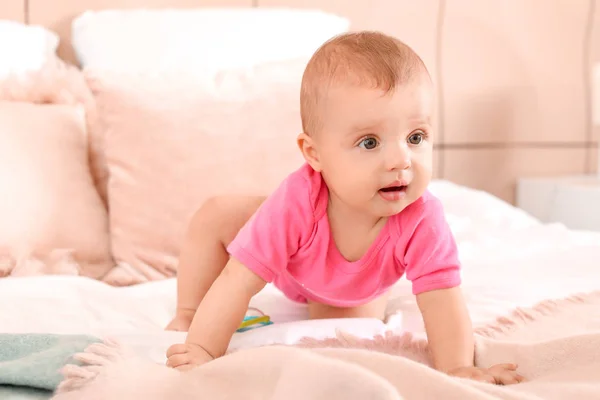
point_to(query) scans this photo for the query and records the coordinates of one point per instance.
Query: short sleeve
(277, 230)
(430, 254)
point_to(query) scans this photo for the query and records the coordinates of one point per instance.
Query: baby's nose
(399, 158)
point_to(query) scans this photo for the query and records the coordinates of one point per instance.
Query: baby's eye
(415, 138)
(369, 143)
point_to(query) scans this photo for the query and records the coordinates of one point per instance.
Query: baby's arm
(218, 317)
(258, 254)
(448, 327)
(450, 336)
(432, 264)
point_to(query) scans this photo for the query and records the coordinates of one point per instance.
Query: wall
(14, 10)
(512, 75)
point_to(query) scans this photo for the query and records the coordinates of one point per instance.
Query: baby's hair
(366, 58)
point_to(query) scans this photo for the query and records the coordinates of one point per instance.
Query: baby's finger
(178, 360)
(486, 378)
(177, 349)
(507, 366)
(508, 378)
(520, 378)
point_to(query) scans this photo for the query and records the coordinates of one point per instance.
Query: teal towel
(31, 363)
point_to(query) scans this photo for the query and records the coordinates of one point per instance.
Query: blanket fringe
(26, 263)
(94, 359)
(405, 345)
(521, 316)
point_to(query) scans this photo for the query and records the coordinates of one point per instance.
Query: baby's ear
(307, 146)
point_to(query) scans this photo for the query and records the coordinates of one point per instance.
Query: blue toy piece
(254, 321)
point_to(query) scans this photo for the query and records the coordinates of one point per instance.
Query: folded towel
(30, 364)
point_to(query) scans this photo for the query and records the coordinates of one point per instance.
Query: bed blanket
(30, 364)
(556, 345)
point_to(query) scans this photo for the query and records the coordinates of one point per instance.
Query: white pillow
(25, 48)
(203, 39)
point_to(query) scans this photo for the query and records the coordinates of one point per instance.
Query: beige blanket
(556, 344)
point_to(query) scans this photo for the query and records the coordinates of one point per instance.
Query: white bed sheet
(510, 260)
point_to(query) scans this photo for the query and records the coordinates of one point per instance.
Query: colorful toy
(254, 321)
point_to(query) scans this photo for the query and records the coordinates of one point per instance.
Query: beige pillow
(172, 141)
(52, 218)
(60, 83)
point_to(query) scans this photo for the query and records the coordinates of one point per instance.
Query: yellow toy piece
(254, 321)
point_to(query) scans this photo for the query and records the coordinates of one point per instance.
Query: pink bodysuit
(288, 242)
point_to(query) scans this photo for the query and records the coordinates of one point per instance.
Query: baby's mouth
(393, 192)
(391, 189)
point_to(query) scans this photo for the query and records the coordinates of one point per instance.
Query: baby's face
(375, 149)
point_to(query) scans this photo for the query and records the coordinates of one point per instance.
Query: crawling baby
(344, 227)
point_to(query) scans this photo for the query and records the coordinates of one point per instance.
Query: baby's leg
(203, 254)
(373, 309)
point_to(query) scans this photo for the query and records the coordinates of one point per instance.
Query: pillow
(204, 39)
(60, 83)
(52, 217)
(172, 141)
(28, 48)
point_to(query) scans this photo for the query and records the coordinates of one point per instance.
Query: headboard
(512, 75)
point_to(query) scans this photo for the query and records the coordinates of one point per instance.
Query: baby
(341, 230)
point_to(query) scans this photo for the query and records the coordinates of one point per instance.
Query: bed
(555, 263)
(527, 284)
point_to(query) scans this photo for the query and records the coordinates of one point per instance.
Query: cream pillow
(204, 39)
(53, 220)
(25, 48)
(172, 141)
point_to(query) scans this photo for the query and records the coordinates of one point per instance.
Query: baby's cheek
(422, 161)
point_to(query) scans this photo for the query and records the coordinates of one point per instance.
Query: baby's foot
(182, 321)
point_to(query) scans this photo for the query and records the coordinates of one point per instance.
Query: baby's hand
(187, 356)
(500, 374)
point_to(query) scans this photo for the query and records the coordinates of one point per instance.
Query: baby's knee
(208, 216)
(209, 212)
(223, 216)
